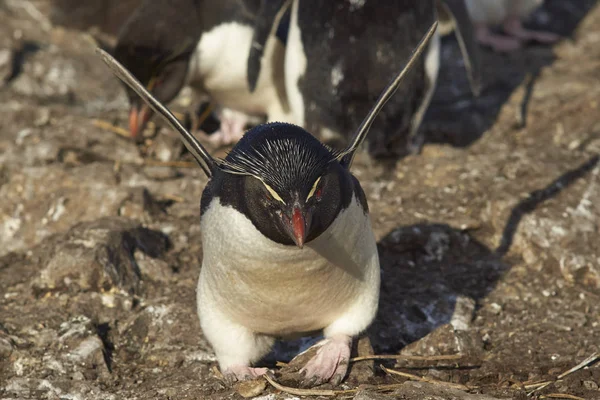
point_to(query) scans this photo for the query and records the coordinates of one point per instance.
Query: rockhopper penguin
(339, 54)
(509, 14)
(168, 44)
(287, 241)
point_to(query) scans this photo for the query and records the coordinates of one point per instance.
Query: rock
(6, 65)
(166, 146)
(6, 346)
(99, 255)
(251, 388)
(361, 372)
(370, 395)
(41, 201)
(463, 313)
(422, 390)
(446, 340)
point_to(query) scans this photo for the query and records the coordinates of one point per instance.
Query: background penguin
(287, 242)
(339, 54)
(167, 44)
(508, 14)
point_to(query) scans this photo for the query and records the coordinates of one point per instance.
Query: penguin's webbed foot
(232, 128)
(498, 43)
(330, 364)
(513, 26)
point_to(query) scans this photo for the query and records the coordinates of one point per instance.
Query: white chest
(277, 289)
(219, 68)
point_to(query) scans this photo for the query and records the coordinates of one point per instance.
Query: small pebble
(253, 388)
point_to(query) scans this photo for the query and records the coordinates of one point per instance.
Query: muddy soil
(488, 239)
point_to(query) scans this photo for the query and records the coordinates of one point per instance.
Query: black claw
(229, 379)
(270, 374)
(336, 379)
(308, 383)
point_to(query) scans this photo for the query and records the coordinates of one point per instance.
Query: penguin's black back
(162, 30)
(362, 45)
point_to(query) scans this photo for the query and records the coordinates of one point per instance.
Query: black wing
(268, 18)
(204, 159)
(347, 155)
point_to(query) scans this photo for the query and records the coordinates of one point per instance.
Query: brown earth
(488, 240)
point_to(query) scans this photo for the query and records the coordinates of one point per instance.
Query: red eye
(318, 193)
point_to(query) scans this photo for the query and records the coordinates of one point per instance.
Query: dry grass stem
(424, 379)
(561, 396)
(450, 357)
(305, 392)
(112, 128)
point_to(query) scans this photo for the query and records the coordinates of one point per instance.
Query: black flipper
(347, 155)
(465, 33)
(267, 20)
(204, 159)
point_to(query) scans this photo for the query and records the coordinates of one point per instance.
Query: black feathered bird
(340, 53)
(287, 242)
(167, 44)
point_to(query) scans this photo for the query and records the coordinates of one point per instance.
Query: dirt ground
(488, 239)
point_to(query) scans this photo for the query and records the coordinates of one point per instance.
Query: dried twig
(542, 385)
(33, 12)
(424, 379)
(217, 372)
(328, 392)
(406, 357)
(538, 384)
(112, 128)
(590, 360)
(205, 114)
(178, 164)
(305, 392)
(175, 198)
(178, 115)
(561, 396)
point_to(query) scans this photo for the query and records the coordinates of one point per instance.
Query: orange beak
(298, 227)
(138, 118)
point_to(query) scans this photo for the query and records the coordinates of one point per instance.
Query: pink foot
(232, 128)
(513, 26)
(330, 364)
(498, 43)
(544, 37)
(241, 373)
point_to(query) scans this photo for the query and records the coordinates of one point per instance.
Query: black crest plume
(204, 159)
(347, 155)
(282, 155)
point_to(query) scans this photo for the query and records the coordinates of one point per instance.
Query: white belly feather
(281, 290)
(219, 68)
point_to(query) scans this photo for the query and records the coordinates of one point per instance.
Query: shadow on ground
(455, 117)
(426, 267)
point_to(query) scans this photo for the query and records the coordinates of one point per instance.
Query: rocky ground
(488, 240)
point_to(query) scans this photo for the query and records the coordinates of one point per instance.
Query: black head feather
(158, 41)
(282, 155)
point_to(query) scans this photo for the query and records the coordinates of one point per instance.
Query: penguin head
(162, 71)
(290, 185)
(156, 44)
